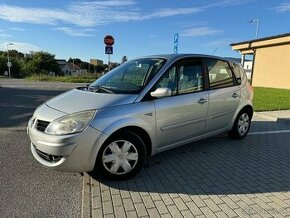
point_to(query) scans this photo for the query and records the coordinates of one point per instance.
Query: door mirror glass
(161, 92)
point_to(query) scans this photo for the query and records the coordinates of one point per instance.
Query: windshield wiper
(97, 88)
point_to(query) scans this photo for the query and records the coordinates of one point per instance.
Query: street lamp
(9, 64)
(257, 27)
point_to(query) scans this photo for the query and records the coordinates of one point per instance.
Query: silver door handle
(202, 101)
(234, 95)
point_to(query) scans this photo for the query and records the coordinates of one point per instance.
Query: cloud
(199, 31)
(284, 7)
(19, 46)
(94, 13)
(18, 29)
(76, 32)
(4, 35)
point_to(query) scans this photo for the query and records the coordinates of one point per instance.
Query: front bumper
(75, 153)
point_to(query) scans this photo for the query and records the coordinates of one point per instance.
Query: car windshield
(130, 77)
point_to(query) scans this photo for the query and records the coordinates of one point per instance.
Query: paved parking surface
(26, 188)
(217, 177)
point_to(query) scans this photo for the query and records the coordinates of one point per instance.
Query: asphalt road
(26, 188)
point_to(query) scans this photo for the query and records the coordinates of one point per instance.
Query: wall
(272, 67)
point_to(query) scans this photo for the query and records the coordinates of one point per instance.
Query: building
(271, 60)
(69, 69)
(96, 62)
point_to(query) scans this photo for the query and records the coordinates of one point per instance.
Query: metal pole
(108, 62)
(257, 28)
(8, 60)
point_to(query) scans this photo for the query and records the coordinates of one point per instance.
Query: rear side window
(237, 71)
(220, 74)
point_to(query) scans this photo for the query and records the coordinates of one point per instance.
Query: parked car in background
(143, 107)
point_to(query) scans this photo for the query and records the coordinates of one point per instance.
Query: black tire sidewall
(139, 145)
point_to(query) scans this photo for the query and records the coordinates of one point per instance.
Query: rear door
(183, 115)
(224, 94)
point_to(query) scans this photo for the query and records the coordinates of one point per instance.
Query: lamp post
(9, 65)
(257, 21)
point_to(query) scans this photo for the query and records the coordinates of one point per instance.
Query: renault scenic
(143, 107)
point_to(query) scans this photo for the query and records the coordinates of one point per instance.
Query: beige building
(271, 61)
(96, 62)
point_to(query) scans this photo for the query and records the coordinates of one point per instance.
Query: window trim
(176, 64)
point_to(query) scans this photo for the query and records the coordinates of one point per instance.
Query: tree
(3, 64)
(44, 62)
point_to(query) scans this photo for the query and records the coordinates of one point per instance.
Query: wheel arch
(246, 107)
(142, 133)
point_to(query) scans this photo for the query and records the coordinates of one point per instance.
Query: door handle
(234, 95)
(202, 101)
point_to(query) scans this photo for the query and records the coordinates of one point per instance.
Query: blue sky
(77, 28)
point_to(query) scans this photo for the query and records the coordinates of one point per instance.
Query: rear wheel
(242, 125)
(122, 156)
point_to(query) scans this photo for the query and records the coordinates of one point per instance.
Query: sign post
(109, 42)
(175, 43)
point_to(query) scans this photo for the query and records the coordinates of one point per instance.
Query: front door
(183, 115)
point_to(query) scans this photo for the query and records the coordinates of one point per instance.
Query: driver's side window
(168, 80)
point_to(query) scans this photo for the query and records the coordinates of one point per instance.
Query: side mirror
(161, 92)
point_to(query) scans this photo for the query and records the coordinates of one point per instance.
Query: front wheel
(241, 126)
(121, 157)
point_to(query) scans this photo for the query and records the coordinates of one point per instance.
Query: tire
(121, 157)
(242, 125)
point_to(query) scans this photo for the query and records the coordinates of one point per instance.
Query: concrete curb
(271, 118)
(86, 197)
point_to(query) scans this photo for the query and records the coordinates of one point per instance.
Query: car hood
(78, 100)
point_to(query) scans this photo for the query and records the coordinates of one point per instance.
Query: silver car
(143, 107)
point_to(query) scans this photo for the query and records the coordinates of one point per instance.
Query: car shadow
(218, 165)
(17, 105)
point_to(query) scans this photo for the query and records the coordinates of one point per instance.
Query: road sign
(175, 42)
(9, 64)
(109, 40)
(108, 50)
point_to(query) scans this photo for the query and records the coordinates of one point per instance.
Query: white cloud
(284, 7)
(76, 32)
(167, 12)
(18, 29)
(88, 14)
(19, 46)
(199, 31)
(4, 35)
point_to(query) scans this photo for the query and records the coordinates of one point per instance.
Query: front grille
(48, 157)
(41, 125)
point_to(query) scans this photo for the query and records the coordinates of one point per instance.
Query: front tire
(242, 125)
(121, 157)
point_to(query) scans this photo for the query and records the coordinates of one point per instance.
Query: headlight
(69, 124)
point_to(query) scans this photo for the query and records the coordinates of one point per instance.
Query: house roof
(262, 39)
(72, 66)
(249, 47)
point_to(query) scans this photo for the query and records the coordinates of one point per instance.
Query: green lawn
(269, 99)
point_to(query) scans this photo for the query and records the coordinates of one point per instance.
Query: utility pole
(9, 64)
(257, 21)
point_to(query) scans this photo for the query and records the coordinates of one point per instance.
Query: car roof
(173, 57)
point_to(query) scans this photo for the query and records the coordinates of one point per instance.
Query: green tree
(44, 62)
(3, 64)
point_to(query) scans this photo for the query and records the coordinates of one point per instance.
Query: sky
(73, 28)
